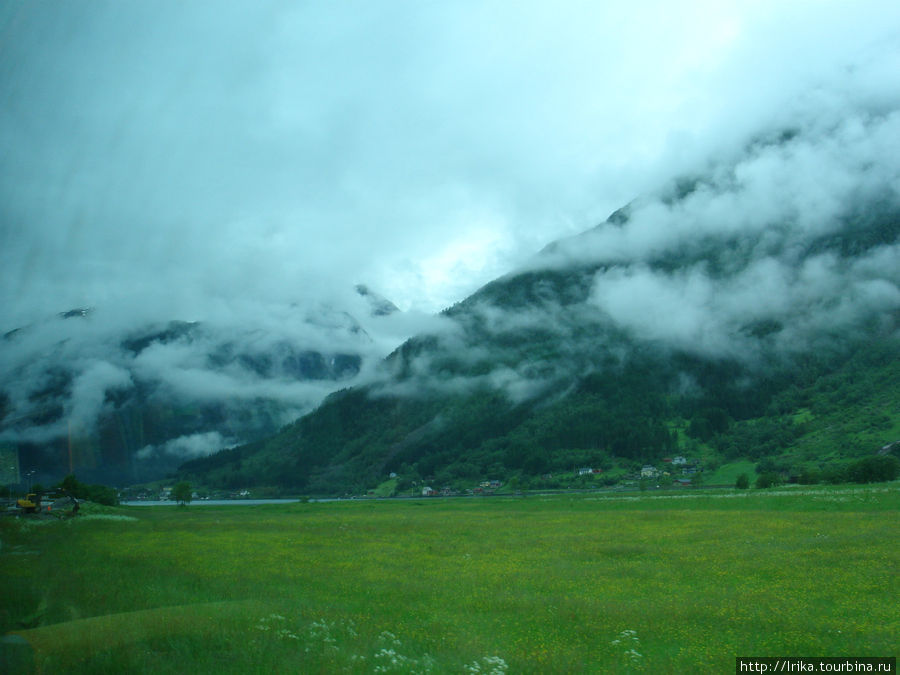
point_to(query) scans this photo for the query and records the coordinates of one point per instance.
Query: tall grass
(661, 583)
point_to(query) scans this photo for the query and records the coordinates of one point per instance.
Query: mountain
(122, 400)
(749, 312)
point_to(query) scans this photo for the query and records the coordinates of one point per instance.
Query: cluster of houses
(678, 464)
(165, 495)
(484, 487)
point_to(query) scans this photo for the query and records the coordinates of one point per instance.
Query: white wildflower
(388, 637)
(388, 660)
(493, 665)
(106, 516)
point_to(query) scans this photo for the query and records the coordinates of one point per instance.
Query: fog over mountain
(87, 389)
(799, 232)
(785, 246)
(237, 168)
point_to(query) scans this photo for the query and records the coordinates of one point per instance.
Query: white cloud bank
(787, 234)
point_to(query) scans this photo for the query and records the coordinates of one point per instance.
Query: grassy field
(657, 582)
(728, 473)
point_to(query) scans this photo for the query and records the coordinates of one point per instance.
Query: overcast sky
(178, 156)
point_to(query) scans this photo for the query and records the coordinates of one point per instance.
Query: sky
(176, 159)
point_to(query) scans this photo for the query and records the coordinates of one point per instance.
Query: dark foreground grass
(657, 583)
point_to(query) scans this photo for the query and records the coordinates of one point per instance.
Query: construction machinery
(30, 503)
(34, 502)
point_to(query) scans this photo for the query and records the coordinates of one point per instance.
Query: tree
(182, 492)
(742, 482)
(834, 475)
(808, 477)
(876, 469)
(100, 494)
(71, 485)
(768, 479)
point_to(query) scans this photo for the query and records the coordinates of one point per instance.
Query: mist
(789, 235)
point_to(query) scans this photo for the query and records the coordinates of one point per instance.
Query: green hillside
(849, 410)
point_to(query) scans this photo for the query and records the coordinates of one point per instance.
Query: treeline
(99, 494)
(875, 469)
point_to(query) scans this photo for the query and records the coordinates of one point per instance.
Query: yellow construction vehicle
(30, 502)
(54, 503)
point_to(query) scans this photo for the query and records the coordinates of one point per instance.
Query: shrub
(742, 482)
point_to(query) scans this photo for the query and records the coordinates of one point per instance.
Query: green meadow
(658, 582)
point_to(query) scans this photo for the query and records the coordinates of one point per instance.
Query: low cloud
(71, 372)
(800, 231)
(186, 447)
(693, 312)
(89, 389)
(780, 195)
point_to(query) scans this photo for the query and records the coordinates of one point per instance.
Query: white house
(649, 472)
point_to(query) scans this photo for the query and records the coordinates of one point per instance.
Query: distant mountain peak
(380, 306)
